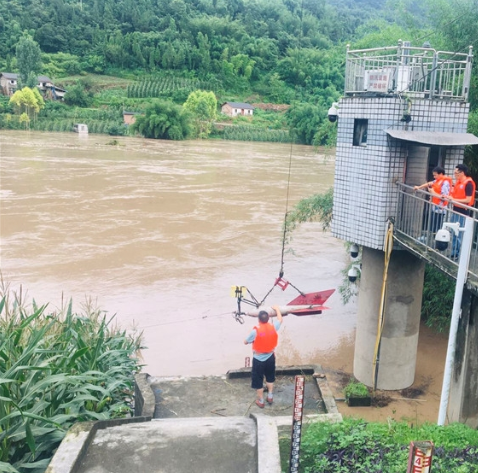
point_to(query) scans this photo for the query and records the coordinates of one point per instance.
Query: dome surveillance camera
(442, 239)
(333, 112)
(354, 250)
(353, 274)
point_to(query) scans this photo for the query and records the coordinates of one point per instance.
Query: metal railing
(403, 69)
(416, 225)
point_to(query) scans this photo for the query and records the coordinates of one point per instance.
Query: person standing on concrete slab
(264, 339)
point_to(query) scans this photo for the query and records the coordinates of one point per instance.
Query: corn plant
(57, 369)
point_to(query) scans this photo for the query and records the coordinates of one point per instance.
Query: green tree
(471, 153)
(243, 65)
(39, 99)
(317, 207)
(326, 134)
(24, 118)
(27, 101)
(78, 96)
(203, 51)
(28, 60)
(163, 120)
(202, 106)
(379, 33)
(305, 119)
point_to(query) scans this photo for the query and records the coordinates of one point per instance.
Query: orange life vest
(436, 187)
(458, 191)
(266, 338)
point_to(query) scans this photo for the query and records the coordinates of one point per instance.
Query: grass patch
(359, 446)
(97, 80)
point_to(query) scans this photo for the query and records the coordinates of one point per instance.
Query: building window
(360, 132)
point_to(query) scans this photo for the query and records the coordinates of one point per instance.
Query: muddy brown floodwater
(157, 232)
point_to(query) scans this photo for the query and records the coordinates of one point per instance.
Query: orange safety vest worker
(266, 338)
(458, 191)
(436, 187)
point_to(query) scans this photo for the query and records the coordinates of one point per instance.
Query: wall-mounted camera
(353, 273)
(354, 250)
(443, 236)
(442, 239)
(333, 112)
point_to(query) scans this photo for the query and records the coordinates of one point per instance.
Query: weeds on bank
(368, 447)
(57, 368)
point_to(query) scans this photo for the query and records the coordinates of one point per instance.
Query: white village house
(233, 109)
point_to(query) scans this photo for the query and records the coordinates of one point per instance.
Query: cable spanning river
(157, 232)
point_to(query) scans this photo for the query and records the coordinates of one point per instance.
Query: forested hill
(193, 35)
(277, 51)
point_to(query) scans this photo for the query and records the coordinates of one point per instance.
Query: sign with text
(377, 81)
(297, 423)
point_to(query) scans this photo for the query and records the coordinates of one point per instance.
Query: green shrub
(57, 369)
(116, 129)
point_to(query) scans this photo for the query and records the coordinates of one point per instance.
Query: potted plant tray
(357, 395)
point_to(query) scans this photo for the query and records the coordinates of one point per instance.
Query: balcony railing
(415, 229)
(403, 69)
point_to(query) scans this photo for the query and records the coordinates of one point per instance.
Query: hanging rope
(387, 247)
(284, 234)
(282, 283)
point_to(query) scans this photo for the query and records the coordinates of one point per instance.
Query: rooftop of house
(14, 76)
(239, 105)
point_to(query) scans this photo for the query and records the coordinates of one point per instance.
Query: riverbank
(417, 404)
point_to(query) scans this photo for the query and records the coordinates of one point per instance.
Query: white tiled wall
(365, 195)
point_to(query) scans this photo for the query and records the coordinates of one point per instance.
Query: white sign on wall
(377, 81)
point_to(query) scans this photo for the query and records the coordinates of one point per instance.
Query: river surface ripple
(157, 232)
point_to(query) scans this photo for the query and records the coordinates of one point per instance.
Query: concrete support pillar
(403, 303)
(462, 405)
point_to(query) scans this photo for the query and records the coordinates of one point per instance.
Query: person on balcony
(463, 192)
(439, 188)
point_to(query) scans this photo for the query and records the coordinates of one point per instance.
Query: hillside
(286, 52)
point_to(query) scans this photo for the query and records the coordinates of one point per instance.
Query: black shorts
(263, 368)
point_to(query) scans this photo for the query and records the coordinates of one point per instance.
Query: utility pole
(455, 316)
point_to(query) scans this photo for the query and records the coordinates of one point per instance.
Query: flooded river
(157, 232)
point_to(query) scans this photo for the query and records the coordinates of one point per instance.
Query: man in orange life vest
(463, 192)
(438, 188)
(264, 340)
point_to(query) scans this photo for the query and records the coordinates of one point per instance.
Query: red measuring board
(297, 423)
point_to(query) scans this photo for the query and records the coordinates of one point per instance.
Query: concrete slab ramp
(202, 445)
(179, 445)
